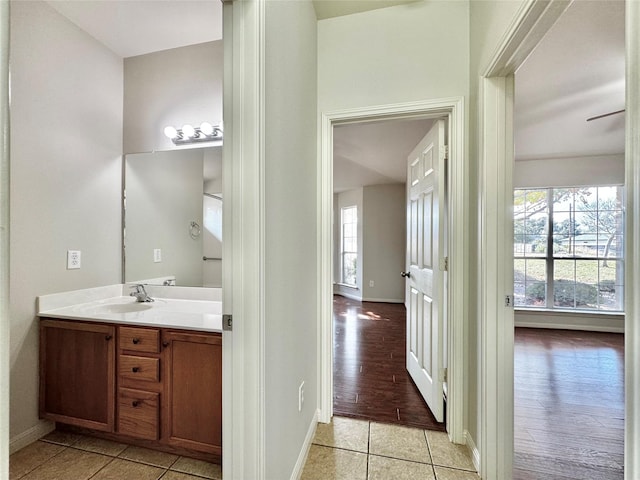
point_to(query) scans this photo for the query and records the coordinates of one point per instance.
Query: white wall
(291, 240)
(569, 171)
(164, 195)
(171, 87)
(349, 198)
(384, 235)
(66, 144)
(405, 53)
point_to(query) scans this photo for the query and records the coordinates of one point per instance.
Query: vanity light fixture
(206, 132)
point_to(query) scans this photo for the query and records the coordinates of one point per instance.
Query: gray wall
(171, 87)
(164, 194)
(291, 240)
(66, 144)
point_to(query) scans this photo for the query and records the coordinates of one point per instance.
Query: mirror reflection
(173, 217)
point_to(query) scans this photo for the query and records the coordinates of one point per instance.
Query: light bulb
(188, 131)
(206, 128)
(170, 132)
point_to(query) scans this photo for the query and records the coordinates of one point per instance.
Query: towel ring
(194, 230)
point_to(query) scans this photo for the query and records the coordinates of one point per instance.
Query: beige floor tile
(70, 464)
(398, 442)
(443, 473)
(447, 454)
(171, 475)
(61, 438)
(343, 432)
(326, 463)
(120, 469)
(383, 468)
(30, 457)
(98, 445)
(150, 457)
(197, 467)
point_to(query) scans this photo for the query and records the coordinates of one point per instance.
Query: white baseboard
(384, 300)
(350, 296)
(475, 453)
(304, 452)
(585, 321)
(25, 438)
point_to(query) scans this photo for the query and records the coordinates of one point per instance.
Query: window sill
(557, 311)
(353, 287)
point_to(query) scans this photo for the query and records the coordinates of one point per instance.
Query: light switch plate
(74, 259)
(157, 255)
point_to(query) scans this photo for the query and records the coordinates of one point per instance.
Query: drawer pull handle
(108, 337)
(135, 369)
(135, 403)
(136, 341)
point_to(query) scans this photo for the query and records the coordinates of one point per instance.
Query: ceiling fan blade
(605, 115)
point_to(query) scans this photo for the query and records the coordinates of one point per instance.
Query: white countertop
(109, 305)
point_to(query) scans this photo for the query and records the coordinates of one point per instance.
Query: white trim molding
(473, 450)
(632, 240)
(306, 446)
(453, 109)
(584, 321)
(244, 242)
(39, 430)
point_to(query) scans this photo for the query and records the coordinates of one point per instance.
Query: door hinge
(508, 301)
(445, 152)
(445, 264)
(227, 322)
(443, 375)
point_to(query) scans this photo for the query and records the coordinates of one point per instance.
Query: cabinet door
(77, 362)
(193, 391)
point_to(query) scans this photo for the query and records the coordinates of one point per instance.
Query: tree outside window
(349, 245)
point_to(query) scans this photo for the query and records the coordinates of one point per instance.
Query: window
(568, 248)
(349, 245)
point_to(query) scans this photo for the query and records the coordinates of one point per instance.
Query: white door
(425, 266)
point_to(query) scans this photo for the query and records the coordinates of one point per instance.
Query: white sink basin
(123, 307)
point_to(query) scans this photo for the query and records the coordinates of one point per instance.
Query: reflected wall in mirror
(173, 217)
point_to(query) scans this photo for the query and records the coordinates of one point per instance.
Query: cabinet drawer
(138, 413)
(139, 368)
(139, 339)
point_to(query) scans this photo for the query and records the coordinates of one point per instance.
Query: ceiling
(575, 73)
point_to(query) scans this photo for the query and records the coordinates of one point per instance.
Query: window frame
(551, 257)
(343, 251)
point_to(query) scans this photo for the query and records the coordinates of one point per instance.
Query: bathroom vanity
(141, 373)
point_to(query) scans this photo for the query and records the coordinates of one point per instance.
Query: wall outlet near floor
(371, 283)
(74, 259)
(300, 396)
(157, 255)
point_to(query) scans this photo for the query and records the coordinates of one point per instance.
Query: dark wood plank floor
(369, 372)
(569, 405)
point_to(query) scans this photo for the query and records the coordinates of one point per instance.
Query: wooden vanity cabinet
(77, 374)
(193, 390)
(157, 387)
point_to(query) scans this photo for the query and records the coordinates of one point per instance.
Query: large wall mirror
(172, 228)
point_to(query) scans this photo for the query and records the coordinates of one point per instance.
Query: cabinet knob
(165, 344)
(108, 337)
(135, 369)
(135, 403)
(136, 341)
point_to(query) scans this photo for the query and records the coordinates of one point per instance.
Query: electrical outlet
(371, 283)
(74, 259)
(300, 396)
(157, 255)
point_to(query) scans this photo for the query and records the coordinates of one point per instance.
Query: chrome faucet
(141, 294)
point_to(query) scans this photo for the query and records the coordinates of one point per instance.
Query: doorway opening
(452, 111)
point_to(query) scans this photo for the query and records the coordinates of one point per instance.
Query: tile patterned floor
(65, 456)
(351, 449)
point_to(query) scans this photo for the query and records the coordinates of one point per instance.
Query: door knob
(406, 274)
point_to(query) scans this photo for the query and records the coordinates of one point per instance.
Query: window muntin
(568, 248)
(349, 245)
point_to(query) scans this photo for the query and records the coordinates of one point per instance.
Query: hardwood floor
(569, 405)
(369, 373)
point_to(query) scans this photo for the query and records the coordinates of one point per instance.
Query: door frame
(454, 109)
(495, 278)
